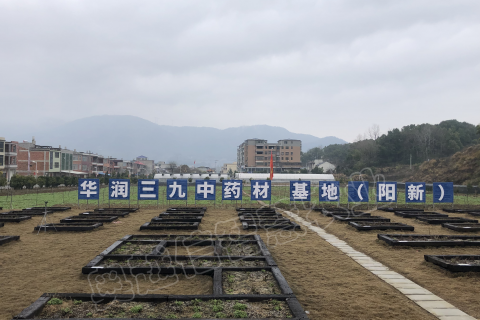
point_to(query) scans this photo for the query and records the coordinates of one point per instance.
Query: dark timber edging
(366, 219)
(1, 224)
(181, 218)
(415, 214)
(6, 239)
(68, 227)
(462, 227)
(93, 219)
(122, 209)
(388, 226)
(104, 214)
(54, 209)
(444, 262)
(395, 240)
(434, 220)
(26, 213)
(36, 307)
(170, 226)
(13, 218)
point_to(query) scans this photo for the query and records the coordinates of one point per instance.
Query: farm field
(31, 198)
(327, 283)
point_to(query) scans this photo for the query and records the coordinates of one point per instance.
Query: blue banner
(177, 189)
(357, 191)
(232, 189)
(261, 190)
(205, 190)
(329, 191)
(88, 189)
(415, 192)
(443, 192)
(299, 190)
(147, 189)
(119, 189)
(386, 192)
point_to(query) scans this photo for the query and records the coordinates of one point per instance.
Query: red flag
(271, 166)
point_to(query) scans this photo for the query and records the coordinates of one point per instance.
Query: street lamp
(36, 171)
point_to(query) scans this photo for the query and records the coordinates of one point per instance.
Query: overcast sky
(317, 67)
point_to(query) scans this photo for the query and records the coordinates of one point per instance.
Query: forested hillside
(420, 142)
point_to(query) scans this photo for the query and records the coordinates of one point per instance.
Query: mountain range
(128, 137)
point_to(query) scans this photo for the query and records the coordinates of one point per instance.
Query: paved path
(422, 297)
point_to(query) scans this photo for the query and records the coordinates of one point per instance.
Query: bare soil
(240, 249)
(255, 282)
(179, 263)
(327, 283)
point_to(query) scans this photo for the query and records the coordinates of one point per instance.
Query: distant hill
(128, 136)
(461, 168)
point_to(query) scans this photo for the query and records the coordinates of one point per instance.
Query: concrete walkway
(422, 297)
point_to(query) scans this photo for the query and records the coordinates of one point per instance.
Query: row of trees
(19, 182)
(417, 143)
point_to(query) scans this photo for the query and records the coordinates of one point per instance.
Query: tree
(230, 172)
(373, 132)
(478, 129)
(171, 166)
(3, 181)
(311, 155)
(17, 182)
(317, 170)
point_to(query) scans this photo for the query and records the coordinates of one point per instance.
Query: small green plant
(231, 278)
(217, 308)
(54, 301)
(66, 310)
(239, 306)
(220, 315)
(136, 309)
(172, 316)
(240, 314)
(197, 315)
(277, 308)
(197, 309)
(89, 314)
(196, 302)
(77, 301)
(179, 303)
(275, 302)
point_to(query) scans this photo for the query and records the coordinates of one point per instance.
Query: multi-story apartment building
(43, 160)
(8, 158)
(253, 155)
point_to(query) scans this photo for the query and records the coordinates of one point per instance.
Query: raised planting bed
(262, 209)
(462, 227)
(190, 237)
(186, 209)
(13, 218)
(461, 210)
(26, 213)
(366, 226)
(366, 219)
(82, 306)
(54, 209)
(68, 226)
(263, 219)
(415, 214)
(122, 209)
(177, 218)
(6, 239)
(105, 214)
(128, 264)
(456, 263)
(474, 213)
(393, 209)
(346, 214)
(440, 220)
(170, 226)
(241, 248)
(419, 240)
(134, 247)
(266, 225)
(75, 219)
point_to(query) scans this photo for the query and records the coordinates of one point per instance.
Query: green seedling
(77, 301)
(197, 315)
(239, 306)
(240, 314)
(54, 301)
(136, 309)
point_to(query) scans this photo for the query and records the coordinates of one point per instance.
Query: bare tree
(373, 132)
(171, 166)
